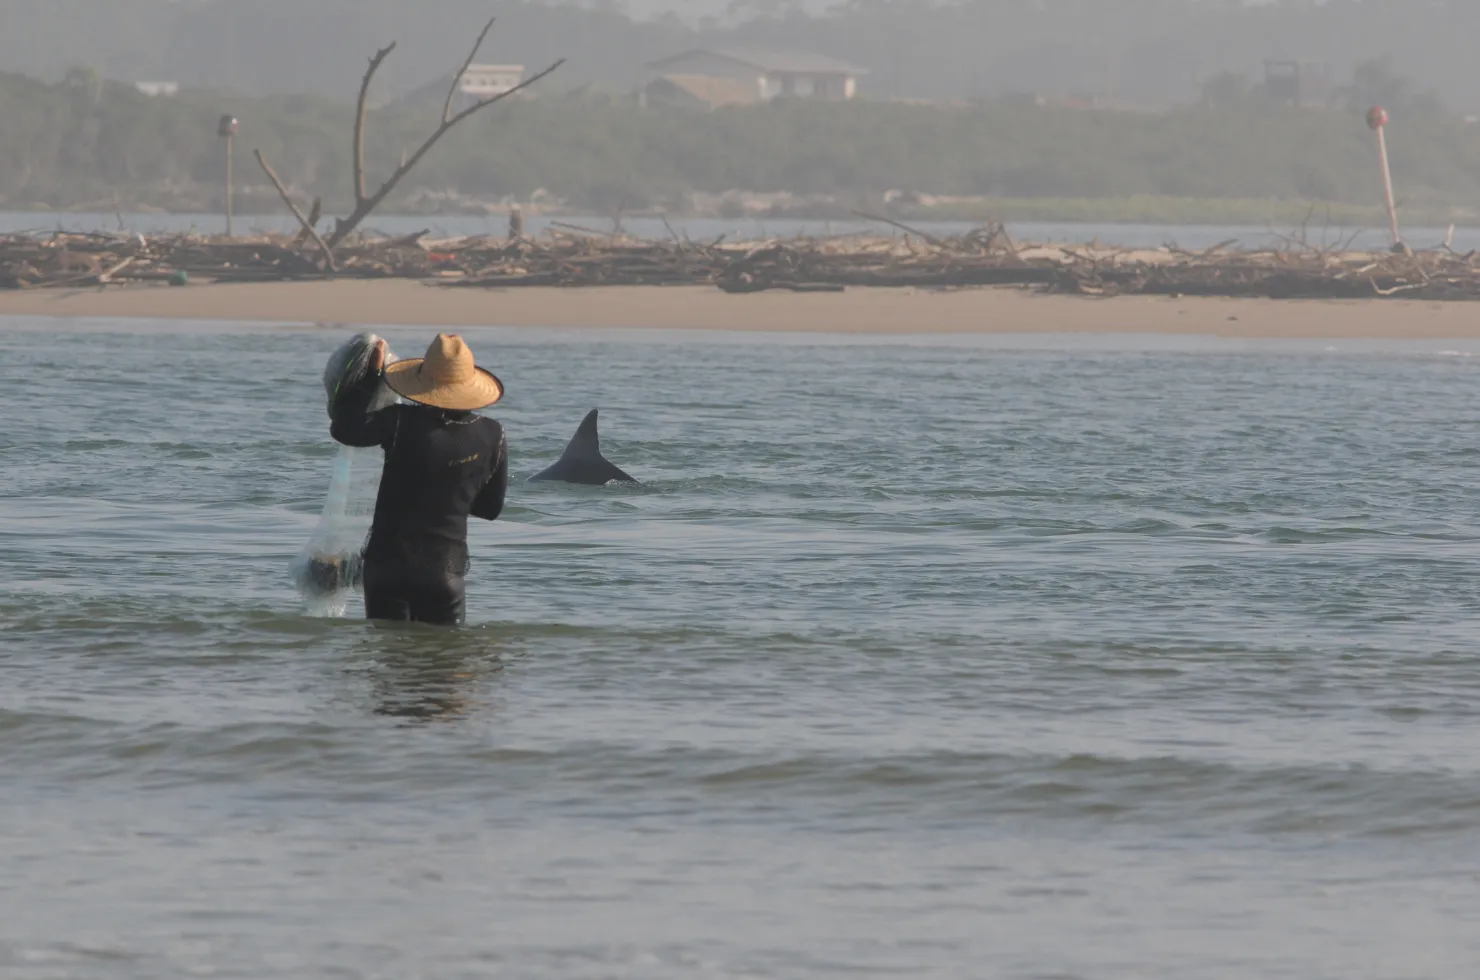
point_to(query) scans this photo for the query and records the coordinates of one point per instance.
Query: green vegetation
(85, 143)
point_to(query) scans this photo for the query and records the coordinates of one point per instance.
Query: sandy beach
(878, 311)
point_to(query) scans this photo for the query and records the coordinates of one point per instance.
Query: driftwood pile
(1306, 273)
(116, 258)
(569, 256)
(988, 257)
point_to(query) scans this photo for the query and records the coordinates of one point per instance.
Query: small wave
(948, 787)
(1281, 534)
(182, 450)
(93, 445)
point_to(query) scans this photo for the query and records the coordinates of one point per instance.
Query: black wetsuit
(440, 466)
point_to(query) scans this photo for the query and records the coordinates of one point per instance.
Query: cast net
(328, 568)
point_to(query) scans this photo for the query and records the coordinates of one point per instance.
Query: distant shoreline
(388, 303)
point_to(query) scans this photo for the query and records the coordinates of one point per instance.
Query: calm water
(983, 657)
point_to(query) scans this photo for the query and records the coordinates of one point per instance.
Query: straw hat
(445, 378)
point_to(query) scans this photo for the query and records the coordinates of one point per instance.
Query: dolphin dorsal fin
(582, 461)
(586, 441)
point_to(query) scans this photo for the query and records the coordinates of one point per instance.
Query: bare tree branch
(925, 235)
(314, 214)
(452, 89)
(485, 103)
(283, 193)
(343, 227)
(359, 161)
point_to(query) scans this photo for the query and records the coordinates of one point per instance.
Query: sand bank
(406, 303)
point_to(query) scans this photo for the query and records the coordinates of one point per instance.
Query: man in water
(442, 463)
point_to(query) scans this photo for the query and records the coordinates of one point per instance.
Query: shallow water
(1010, 657)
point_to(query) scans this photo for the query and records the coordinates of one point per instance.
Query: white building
(769, 74)
(486, 81)
(479, 82)
(158, 88)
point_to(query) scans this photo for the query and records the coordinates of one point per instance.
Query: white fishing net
(328, 568)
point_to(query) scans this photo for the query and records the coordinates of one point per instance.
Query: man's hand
(377, 357)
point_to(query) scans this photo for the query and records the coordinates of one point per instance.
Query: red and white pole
(1377, 120)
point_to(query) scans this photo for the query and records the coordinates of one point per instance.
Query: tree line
(86, 141)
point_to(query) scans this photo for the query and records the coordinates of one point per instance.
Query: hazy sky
(1146, 53)
(695, 9)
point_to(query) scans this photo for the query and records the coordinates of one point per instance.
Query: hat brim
(480, 391)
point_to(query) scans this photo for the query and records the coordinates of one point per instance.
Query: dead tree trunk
(305, 223)
(365, 202)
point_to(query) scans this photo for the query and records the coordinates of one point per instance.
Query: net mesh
(328, 568)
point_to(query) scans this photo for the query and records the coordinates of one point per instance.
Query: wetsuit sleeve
(353, 423)
(490, 500)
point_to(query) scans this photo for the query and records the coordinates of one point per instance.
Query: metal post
(226, 129)
(229, 141)
(1377, 119)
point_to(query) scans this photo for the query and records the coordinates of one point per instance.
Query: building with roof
(479, 82)
(728, 76)
(699, 92)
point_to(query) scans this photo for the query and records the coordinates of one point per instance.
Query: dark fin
(582, 461)
(587, 441)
